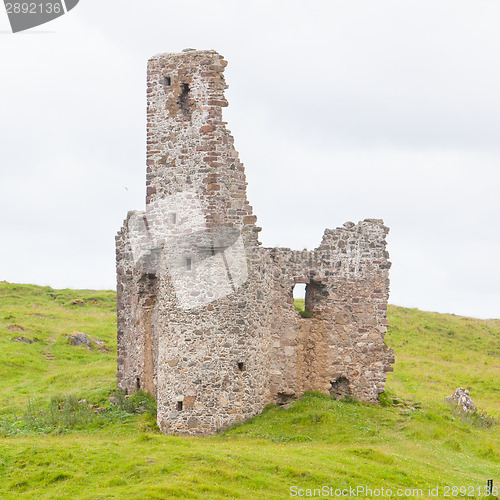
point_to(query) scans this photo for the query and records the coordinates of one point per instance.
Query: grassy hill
(51, 446)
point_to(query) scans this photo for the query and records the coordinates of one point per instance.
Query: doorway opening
(340, 388)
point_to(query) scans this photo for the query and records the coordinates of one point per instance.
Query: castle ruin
(206, 317)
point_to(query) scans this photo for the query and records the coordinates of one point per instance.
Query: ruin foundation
(206, 317)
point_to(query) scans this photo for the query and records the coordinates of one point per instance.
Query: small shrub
(385, 399)
(64, 414)
(139, 399)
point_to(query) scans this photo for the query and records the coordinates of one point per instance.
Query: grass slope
(50, 366)
(317, 442)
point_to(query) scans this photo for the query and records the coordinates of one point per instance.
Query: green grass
(436, 353)
(56, 447)
(50, 365)
(300, 304)
(300, 307)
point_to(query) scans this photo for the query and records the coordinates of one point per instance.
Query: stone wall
(206, 320)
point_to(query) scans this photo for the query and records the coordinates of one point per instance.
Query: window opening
(299, 299)
(184, 101)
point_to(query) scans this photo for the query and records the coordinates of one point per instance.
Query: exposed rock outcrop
(462, 399)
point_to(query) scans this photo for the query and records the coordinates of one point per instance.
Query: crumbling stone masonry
(206, 318)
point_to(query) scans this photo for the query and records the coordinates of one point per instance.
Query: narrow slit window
(189, 263)
(137, 383)
(241, 366)
(179, 405)
(167, 81)
(172, 218)
(185, 102)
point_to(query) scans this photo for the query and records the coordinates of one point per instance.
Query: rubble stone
(462, 399)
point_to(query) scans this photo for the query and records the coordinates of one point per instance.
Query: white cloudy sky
(341, 110)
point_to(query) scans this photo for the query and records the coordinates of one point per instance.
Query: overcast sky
(341, 110)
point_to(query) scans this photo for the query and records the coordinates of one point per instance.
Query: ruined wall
(340, 349)
(206, 320)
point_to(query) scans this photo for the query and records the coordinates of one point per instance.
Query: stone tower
(206, 320)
